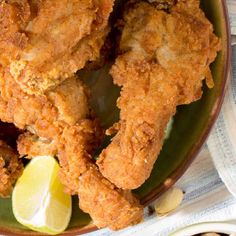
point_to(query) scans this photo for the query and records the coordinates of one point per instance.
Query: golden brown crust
(48, 113)
(75, 148)
(107, 205)
(48, 117)
(102, 200)
(11, 168)
(163, 4)
(13, 17)
(43, 52)
(166, 57)
(31, 145)
(71, 136)
(45, 116)
(59, 121)
(143, 102)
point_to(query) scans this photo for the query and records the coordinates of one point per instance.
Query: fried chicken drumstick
(165, 58)
(11, 168)
(44, 42)
(59, 123)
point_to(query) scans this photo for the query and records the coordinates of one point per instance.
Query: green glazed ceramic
(191, 127)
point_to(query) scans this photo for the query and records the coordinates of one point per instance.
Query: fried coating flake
(48, 41)
(165, 58)
(11, 168)
(59, 123)
(103, 200)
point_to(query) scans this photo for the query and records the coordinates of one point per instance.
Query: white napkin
(232, 13)
(222, 141)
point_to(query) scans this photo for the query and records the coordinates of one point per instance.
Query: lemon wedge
(38, 200)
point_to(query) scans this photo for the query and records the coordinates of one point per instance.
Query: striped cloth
(210, 182)
(222, 141)
(232, 14)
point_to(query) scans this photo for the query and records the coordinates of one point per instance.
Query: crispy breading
(163, 4)
(63, 126)
(105, 203)
(140, 137)
(75, 148)
(31, 145)
(47, 113)
(13, 17)
(11, 168)
(166, 57)
(48, 41)
(45, 116)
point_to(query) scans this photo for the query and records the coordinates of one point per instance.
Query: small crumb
(168, 182)
(151, 210)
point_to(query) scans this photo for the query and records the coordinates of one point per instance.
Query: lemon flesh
(38, 200)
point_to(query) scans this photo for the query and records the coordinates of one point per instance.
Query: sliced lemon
(38, 200)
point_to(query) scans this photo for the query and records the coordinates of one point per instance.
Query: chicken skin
(165, 58)
(44, 42)
(11, 168)
(60, 123)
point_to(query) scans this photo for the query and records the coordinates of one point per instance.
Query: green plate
(191, 127)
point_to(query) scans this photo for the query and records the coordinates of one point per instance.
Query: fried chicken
(163, 4)
(60, 123)
(44, 42)
(165, 58)
(107, 205)
(11, 168)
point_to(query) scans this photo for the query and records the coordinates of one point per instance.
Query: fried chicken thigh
(11, 168)
(60, 123)
(165, 58)
(44, 42)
